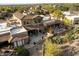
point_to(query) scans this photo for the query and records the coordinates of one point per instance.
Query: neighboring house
(73, 18)
(74, 12)
(66, 13)
(19, 36)
(20, 19)
(16, 19)
(4, 35)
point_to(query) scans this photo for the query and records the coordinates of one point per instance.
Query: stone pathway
(36, 38)
(35, 49)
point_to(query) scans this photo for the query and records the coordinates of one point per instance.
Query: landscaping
(53, 43)
(21, 51)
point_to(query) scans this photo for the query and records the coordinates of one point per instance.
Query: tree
(63, 8)
(58, 14)
(48, 7)
(67, 21)
(74, 7)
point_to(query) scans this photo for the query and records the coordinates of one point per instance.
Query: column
(18, 43)
(38, 31)
(15, 44)
(23, 42)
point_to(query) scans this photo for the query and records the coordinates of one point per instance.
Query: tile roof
(30, 17)
(18, 15)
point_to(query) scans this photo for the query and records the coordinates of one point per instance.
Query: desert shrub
(67, 21)
(51, 49)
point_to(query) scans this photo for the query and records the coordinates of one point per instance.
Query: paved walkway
(36, 38)
(35, 49)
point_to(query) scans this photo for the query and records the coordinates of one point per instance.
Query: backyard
(67, 44)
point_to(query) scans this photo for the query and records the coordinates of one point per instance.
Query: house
(25, 20)
(66, 13)
(72, 16)
(47, 21)
(16, 36)
(31, 19)
(46, 18)
(33, 23)
(19, 36)
(56, 27)
(74, 12)
(16, 19)
(13, 23)
(4, 33)
(4, 37)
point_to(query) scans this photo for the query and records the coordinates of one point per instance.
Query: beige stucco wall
(17, 20)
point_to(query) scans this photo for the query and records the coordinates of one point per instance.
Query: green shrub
(57, 40)
(67, 21)
(21, 51)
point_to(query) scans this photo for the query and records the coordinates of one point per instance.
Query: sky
(2, 2)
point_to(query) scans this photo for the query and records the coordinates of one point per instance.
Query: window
(76, 21)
